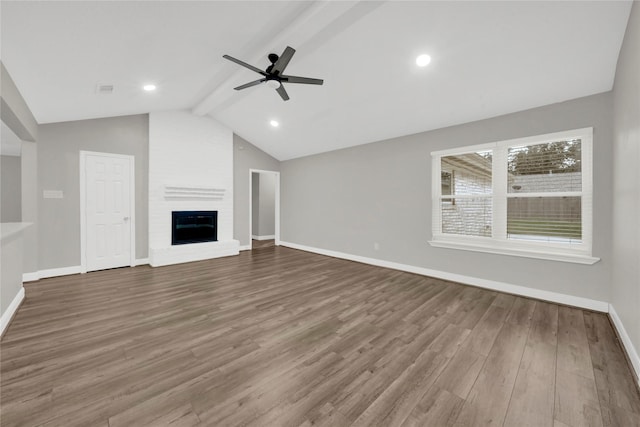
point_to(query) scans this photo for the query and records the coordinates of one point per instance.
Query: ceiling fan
(273, 74)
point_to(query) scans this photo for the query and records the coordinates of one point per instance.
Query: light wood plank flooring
(279, 337)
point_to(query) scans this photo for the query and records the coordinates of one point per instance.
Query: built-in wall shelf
(181, 192)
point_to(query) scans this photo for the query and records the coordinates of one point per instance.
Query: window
(526, 197)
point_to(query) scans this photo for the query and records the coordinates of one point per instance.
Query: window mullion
(499, 184)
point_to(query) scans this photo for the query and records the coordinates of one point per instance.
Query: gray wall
(246, 156)
(255, 204)
(625, 291)
(263, 204)
(267, 218)
(14, 110)
(11, 189)
(11, 272)
(29, 159)
(59, 146)
(16, 115)
(348, 200)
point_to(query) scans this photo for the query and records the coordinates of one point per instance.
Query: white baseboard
(30, 277)
(63, 271)
(55, 272)
(474, 281)
(268, 237)
(245, 248)
(11, 310)
(51, 272)
(626, 342)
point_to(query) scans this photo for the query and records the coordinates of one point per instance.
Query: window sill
(538, 254)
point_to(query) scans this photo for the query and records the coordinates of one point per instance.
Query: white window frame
(498, 243)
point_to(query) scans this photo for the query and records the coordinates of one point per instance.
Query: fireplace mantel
(190, 192)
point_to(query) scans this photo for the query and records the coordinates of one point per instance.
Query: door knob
(126, 218)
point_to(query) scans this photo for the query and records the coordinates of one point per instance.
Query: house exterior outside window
(526, 197)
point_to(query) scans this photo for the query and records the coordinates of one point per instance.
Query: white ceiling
(489, 58)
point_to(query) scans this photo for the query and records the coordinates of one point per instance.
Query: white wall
(625, 289)
(192, 152)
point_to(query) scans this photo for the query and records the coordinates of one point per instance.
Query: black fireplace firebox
(194, 227)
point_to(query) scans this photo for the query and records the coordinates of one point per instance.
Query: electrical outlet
(376, 246)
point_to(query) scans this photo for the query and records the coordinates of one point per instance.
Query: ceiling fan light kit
(272, 75)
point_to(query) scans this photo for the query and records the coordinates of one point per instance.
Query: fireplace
(194, 227)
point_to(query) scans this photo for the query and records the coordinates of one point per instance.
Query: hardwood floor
(279, 337)
(259, 244)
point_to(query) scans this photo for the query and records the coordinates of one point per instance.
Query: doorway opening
(264, 208)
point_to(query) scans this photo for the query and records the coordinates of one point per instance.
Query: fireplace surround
(190, 169)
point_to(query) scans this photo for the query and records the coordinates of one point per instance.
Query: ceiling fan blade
(283, 61)
(303, 80)
(244, 64)
(283, 93)
(253, 83)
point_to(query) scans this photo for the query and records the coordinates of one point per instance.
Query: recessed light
(274, 123)
(423, 60)
(149, 87)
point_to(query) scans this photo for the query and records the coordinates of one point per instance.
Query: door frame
(277, 203)
(83, 204)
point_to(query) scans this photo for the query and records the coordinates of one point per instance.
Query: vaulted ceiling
(488, 59)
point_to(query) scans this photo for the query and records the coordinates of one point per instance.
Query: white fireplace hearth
(192, 252)
(190, 169)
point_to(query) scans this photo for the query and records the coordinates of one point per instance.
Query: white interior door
(108, 211)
